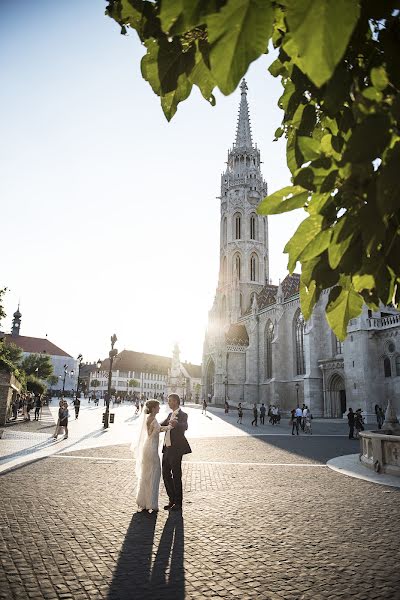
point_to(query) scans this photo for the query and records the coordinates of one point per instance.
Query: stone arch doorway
(210, 379)
(336, 397)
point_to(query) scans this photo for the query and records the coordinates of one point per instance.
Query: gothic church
(257, 347)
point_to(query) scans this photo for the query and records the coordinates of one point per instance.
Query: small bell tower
(16, 323)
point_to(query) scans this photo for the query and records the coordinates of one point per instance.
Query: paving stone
(68, 529)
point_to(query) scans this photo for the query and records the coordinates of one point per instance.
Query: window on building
(338, 346)
(223, 270)
(387, 368)
(398, 365)
(269, 336)
(299, 341)
(252, 227)
(253, 267)
(224, 231)
(237, 265)
(238, 226)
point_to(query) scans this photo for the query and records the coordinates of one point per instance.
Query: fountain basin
(380, 451)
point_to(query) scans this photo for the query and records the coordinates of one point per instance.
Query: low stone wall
(380, 452)
(9, 386)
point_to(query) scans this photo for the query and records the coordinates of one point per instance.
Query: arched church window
(299, 342)
(269, 336)
(238, 226)
(223, 270)
(237, 266)
(253, 267)
(398, 365)
(387, 368)
(253, 227)
(224, 231)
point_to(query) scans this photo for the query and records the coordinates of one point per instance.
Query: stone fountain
(380, 450)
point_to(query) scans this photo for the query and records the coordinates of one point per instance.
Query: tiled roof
(291, 285)
(192, 370)
(34, 345)
(237, 334)
(128, 360)
(267, 295)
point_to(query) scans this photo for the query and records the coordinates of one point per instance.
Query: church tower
(16, 323)
(244, 267)
(229, 344)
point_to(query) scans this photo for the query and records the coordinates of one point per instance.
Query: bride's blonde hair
(150, 404)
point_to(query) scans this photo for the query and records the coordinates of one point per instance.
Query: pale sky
(109, 215)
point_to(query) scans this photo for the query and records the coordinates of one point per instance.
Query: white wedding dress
(148, 467)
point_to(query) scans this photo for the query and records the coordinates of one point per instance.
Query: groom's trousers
(172, 474)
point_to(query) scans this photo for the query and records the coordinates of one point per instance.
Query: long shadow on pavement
(135, 577)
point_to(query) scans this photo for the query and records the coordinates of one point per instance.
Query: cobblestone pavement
(263, 518)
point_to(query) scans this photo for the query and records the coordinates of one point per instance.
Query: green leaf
(371, 93)
(363, 282)
(202, 77)
(317, 246)
(305, 234)
(309, 147)
(379, 78)
(308, 298)
(180, 16)
(342, 235)
(169, 102)
(368, 140)
(238, 34)
(319, 33)
(344, 304)
(284, 200)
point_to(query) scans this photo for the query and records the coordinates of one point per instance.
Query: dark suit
(172, 458)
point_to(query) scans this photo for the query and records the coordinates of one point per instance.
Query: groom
(175, 446)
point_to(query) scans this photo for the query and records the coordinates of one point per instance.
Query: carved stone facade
(257, 346)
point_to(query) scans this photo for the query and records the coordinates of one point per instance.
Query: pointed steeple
(243, 131)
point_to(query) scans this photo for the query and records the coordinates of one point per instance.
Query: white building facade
(257, 346)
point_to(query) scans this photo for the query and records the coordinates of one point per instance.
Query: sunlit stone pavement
(263, 516)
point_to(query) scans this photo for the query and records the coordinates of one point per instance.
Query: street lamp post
(112, 354)
(297, 393)
(65, 375)
(79, 359)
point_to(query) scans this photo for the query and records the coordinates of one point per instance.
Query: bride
(148, 467)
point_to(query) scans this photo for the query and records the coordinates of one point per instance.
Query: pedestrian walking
(294, 421)
(263, 410)
(226, 405)
(299, 416)
(350, 420)
(358, 422)
(204, 408)
(57, 429)
(77, 406)
(240, 413)
(255, 415)
(380, 417)
(38, 407)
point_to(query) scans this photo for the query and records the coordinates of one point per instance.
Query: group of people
(356, 423)
(273, 414)
(23, 404)
(300, 419)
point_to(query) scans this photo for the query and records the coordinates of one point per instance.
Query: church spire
(243, 131)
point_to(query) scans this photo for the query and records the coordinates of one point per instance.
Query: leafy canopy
(339, 65)
(39, 365)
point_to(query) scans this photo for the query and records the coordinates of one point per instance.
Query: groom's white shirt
(167, 439)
